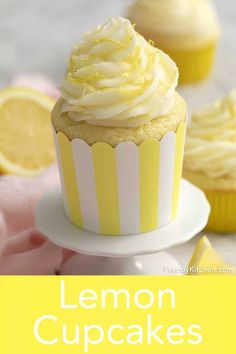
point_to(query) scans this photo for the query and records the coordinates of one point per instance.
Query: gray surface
(36, 36)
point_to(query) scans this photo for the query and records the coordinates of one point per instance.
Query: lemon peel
(151, 42)
(110, 40)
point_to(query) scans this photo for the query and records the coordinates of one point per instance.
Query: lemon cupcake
(210, 160)
(187, 30)
(119, 133)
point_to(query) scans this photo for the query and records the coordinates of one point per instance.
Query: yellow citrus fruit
(206, 261)
(26, 141)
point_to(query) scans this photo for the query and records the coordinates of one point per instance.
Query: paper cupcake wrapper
(194, 64)
(223, 206)
(124, 190)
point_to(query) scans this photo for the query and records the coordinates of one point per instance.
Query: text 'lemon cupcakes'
(187, 30)
(119, 133)
(210, 160)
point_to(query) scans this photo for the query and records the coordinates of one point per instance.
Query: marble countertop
(36, 36)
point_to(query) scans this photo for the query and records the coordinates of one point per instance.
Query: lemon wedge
(26, 141)
(206, 261)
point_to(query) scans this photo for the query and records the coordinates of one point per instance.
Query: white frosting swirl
(116, 78)
(211, 140)
(178, 23)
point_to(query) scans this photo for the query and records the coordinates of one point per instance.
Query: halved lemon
(206, 261)
(26, 141)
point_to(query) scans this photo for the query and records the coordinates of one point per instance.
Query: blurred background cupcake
(210, 160)
(120, 128)
(187, 30)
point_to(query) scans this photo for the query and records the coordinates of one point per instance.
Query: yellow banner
(179, 315)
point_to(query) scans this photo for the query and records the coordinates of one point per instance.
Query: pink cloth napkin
(38, 82)
(29, 253)
(18, 198)
(23, 250)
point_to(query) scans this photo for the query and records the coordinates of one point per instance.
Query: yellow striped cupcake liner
(223, 211)
(124, 190)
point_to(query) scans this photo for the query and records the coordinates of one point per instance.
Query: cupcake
(210, 160)
(119, 132)
(187, 30)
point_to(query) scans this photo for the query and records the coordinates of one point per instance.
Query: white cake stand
(99, 254)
